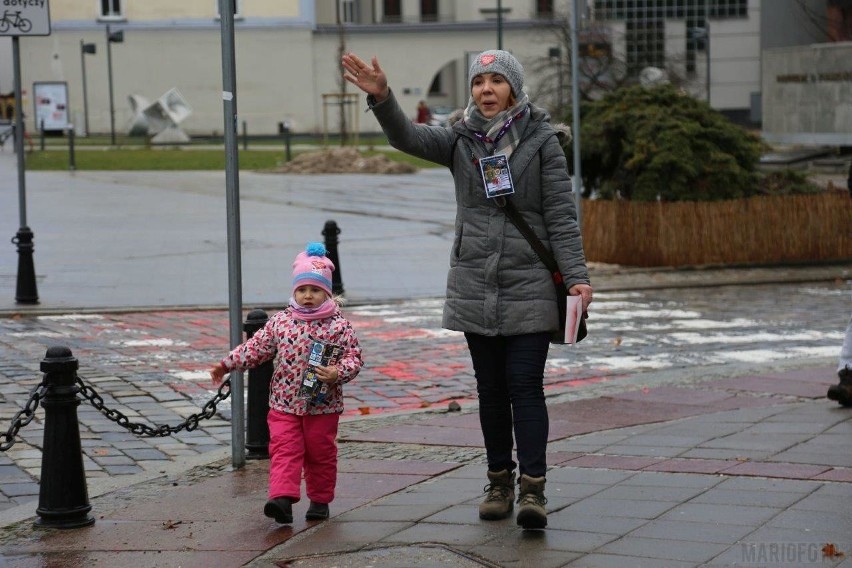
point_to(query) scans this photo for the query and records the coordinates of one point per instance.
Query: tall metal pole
(232, 188)
(19, 132)
(109, 78)
(561, 96)
(85, 92)
(575, 103)
(25, 292)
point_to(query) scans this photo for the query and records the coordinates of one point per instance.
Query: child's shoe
(317, 512)
(280, 509)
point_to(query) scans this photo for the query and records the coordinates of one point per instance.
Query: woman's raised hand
(368, 77)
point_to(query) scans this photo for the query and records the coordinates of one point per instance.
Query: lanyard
(483, 138)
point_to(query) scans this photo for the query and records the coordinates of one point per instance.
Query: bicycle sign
(24, 18)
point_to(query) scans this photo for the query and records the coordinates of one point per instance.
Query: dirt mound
(343, 161)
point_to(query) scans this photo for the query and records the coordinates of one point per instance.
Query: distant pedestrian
(424, 115)
(499, 293)
(306, 394)
(842, 392)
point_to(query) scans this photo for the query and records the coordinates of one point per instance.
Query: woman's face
(491, 93)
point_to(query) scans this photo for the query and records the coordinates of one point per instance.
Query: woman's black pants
(509, 374)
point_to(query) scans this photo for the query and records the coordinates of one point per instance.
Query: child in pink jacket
(302, 427)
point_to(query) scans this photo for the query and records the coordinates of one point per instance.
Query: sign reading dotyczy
(24, 18)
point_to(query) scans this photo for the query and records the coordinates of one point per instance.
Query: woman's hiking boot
(531, 501)
(280, 509)
(499, 496)
(842, 392)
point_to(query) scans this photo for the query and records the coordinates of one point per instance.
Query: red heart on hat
(487, 59)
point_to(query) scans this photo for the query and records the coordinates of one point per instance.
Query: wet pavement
(689, 429)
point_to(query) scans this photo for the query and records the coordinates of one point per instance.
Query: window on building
(544, 9)
(839, 20)
(645, 44)
(347, 11)
(673, 9)
(111, 9)
(392, 11)
(728, 9)
(428, 10)
(238, 8)
(645, 23)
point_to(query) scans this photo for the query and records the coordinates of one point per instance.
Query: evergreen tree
(658, 143)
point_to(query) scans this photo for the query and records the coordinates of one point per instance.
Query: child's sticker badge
(496, 175)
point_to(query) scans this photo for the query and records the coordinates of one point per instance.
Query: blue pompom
(315, 249)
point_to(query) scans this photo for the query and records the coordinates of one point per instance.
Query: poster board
(51, 105)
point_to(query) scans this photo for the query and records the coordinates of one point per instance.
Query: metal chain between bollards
(190, 424)
(25, 416)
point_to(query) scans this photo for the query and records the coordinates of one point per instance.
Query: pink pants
(299, 443)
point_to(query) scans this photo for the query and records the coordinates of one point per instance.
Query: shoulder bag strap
(515, 217)
(518, 221)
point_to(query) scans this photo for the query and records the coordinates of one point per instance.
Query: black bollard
(330, 232)
(287, 151)
(257, 429)
(72, 161)
(63, 501)
(26, 292)
(284, 129)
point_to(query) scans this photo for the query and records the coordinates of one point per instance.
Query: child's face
(309, 296)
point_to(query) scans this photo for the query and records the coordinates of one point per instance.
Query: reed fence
(755, 230)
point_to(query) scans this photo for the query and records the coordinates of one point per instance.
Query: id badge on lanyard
(496, 176)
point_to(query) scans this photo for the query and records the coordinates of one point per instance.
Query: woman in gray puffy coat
(498, 291)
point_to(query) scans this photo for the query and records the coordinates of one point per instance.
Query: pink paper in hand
(573, 315)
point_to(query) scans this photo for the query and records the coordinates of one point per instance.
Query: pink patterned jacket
(288, 340)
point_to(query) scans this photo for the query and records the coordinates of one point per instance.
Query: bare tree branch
(601, 69)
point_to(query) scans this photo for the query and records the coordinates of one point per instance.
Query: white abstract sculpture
(161, 118)
(139, 124)
(653, 76)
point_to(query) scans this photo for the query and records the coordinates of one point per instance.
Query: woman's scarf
(324, 310)
(502, 132)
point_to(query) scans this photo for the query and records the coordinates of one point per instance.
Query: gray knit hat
(502, 63)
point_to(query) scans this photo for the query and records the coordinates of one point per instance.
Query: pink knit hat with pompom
(311, 267)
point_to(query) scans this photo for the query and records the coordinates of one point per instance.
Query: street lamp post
(555, 54)
(112, 37)
(697, 34)
(499, 24)
(499, 10)
(575, 109)
(707, 55)
(84, 49)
